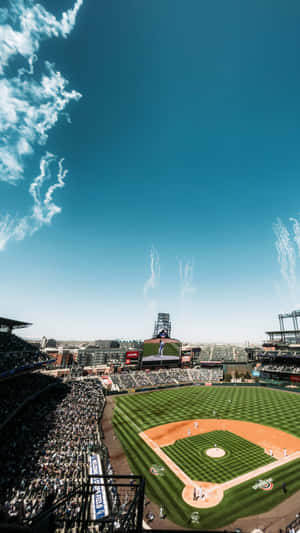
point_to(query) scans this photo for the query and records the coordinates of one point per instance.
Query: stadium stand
(205, 354)
(16, 353)
(44, 451)
(281, 368)
(14, 392)
(224, 352)
(142, 379)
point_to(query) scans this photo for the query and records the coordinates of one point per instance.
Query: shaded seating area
(16, 353)
(44, 450)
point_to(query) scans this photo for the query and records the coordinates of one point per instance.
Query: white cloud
(285, 253)
(28, 110)
(6, 230)
(296, 228)
(153, 279)
(30, 107)
(43, 209)
(35, 24)
(186, 274)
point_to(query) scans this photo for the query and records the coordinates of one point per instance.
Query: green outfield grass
(241, 456)
(134, 413)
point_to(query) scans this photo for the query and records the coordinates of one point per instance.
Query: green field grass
(241, 456)
(134, 413)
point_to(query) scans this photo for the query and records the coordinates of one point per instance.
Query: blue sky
(178, 124)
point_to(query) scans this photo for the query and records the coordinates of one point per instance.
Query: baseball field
(211, 455)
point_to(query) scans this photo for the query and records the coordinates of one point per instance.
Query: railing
(125, 496)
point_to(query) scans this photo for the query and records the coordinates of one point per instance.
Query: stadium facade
(279, 358)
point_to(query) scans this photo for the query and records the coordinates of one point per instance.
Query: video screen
(161, 351)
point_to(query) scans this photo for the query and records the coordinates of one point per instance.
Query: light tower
(162, 323)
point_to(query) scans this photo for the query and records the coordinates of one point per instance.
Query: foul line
(188, 482)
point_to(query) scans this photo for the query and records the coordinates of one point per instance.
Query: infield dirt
(264, 436)
(270, 522)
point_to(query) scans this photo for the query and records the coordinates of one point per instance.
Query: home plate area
(211, 455)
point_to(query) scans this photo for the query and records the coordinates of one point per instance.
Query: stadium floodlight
(162, 326)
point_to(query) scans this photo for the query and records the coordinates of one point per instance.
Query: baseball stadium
(222, 452)
(159, 436)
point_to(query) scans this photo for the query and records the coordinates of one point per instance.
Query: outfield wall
(201, 384)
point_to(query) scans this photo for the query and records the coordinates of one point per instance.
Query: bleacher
(174, 376)
(11, 343)
(204, 354)
(44, 450)
(16, 353)
(47, 430)
(290, 369)
(14, 392)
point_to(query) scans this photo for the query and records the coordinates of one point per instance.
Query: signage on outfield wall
(294, 378)
(256, 373)
(99, 499)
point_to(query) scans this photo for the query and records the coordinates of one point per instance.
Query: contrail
(153, 280)
(186, 274)
(296, 228)
(43, 208)
(285, 253)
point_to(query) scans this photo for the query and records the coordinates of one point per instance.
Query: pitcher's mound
(215, 452)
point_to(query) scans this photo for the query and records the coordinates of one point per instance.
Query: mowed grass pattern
(137, 412)
(264, 406)
(241, 456)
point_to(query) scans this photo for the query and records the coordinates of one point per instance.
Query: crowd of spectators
(276, 354)
(205, 354)
(221, 352)
(15, 353)
(174, 376)
(44, 451)
(228, 352)
(290, 369)
(14, 392)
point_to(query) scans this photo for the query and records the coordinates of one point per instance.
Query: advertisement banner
(99, 498)
(132, 357)
(295, 378)
(132, 354)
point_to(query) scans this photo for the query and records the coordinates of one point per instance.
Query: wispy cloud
(153, 279)
(286, 252)
(43, 208)
(30, 106)
(28, 110)
(34, 24)
(296, 228)
(186, 274)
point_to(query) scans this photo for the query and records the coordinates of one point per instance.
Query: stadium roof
(283, 331)
(12, 324)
